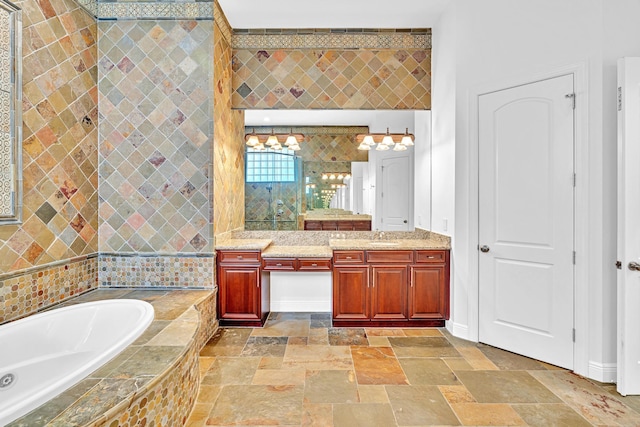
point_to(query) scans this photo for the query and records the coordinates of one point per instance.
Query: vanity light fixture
(385, 141)
(274, 141)
(335, 175)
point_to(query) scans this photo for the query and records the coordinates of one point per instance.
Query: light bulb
(295, 147)
(291, 140)
(253, 140)
(382, 147)
(272, 140)
(340, 176)
(399, 147)
(406, 141)
(368, 140)
(325, 176)
(276, 146)
(364, 146)
(332, 176)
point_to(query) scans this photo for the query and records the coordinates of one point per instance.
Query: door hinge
(574, 257)
(619, 265)
(574, 179)
(573, 335)
(619, 98)
(572, 96)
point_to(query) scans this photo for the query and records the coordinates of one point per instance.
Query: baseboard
(300, 306)
(458, 330)
(603, 372)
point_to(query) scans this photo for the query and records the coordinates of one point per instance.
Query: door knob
(484, 248)
(634, 266)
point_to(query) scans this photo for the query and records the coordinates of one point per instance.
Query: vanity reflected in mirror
(10, 117)
(329, 179)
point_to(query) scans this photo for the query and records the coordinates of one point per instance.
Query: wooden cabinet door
(428, 292)
(239, 291)
(388, 292)
(351, 293)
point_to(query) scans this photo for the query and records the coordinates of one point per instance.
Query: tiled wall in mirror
(10, 117)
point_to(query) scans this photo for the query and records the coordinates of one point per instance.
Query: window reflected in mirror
(10, 109)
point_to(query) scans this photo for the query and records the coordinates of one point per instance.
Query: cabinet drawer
(279, 264)
(312, 225)
(314, 264)
(348, 257)
(237, 257)
(431, 256)
(385, 257)
(362, 225)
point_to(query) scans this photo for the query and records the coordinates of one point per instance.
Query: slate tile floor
(298, 371)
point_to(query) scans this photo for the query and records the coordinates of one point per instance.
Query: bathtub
(44, 354)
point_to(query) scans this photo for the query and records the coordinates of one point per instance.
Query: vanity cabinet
(390, 288)
(243, 298)
(337, 225)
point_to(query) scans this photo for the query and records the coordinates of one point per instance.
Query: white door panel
(526, 220)
(395, 192)
(628, 365)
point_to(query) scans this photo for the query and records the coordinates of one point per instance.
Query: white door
(394, 193)
(628, 371)
(526, 221)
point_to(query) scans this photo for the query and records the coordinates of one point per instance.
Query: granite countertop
(297, 252)
(243, 244)
(396, 244)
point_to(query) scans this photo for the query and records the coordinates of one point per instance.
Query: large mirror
(331, 178)
(10, 117)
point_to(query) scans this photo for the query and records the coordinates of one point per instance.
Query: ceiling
(243, 14)
(332, 13)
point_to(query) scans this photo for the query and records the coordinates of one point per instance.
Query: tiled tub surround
(26, 292)
(319, 69)
(154, 381)
(156, 129)
(156, 271)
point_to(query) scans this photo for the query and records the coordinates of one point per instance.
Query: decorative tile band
(148, 10)
(117, 271)
(332, 40)
(25, 294)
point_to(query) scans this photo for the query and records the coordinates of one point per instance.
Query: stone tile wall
(228, 147)
(59, 138)
(155, 84)
(45, 259)
(323, 69)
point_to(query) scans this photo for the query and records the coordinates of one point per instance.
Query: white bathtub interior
(44, 354)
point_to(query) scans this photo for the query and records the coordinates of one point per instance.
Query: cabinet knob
(278, 265)
(349, 257)
(430, 257)
(314, 265)
(240, 257)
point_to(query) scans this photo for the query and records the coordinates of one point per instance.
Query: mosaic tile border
(326, 39)
(27, 292)
(315, 130)
(148, 10)
(156, 271)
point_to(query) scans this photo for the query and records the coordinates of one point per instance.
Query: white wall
(422, 170)
(479, 45)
